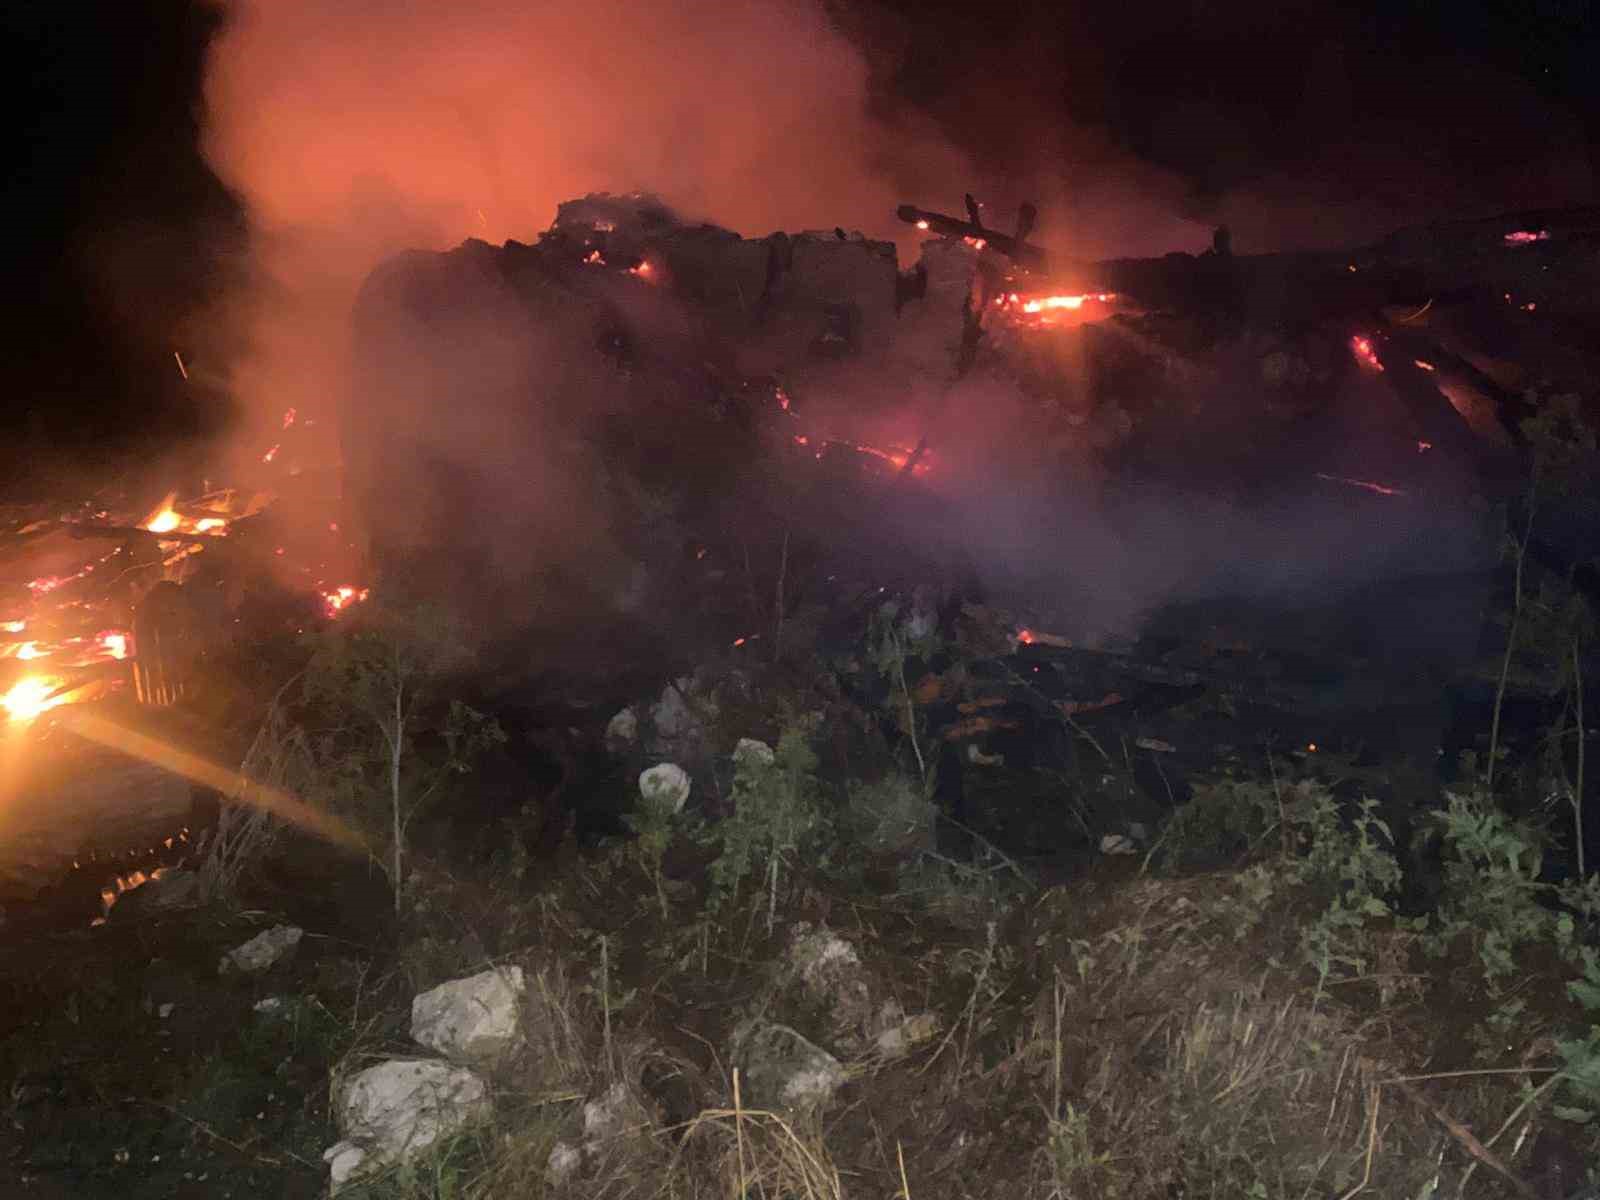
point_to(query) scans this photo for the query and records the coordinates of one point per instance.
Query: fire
(922, 225)
(1045, 309)
(594, 258)
(340, 598)
(644, 270)
(1525, 237)
(12, 626)
(207, 524)
(1365, 352)
(1071, 303)
(164, 521)
(115, 643)
(30, 697)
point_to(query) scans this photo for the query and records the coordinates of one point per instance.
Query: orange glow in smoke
(1365, 353)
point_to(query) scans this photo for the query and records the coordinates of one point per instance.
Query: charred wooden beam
(138, 533)
(1014, 248)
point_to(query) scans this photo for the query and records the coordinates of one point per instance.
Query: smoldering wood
(1019, 251)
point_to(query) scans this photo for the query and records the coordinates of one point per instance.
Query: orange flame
(30, 697)
(341, 598)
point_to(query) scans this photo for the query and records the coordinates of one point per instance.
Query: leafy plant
(386, 742)
(893, 637)
(652, 822)
(1492, 889)
(776, 813)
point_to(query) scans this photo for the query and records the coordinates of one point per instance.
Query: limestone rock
(751, 752)
(397, 1109)
(262, 952)
(565, 1159)
(622, 731)
(665, 786)
(782, 1070)
(473, 1020)
(830, 972)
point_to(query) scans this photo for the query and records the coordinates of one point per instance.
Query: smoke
(355, 128)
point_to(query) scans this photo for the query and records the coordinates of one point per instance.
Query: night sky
(124, 241)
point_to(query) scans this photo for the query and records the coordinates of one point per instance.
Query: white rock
(269, 1005)
(606, 1116)
(665, 785)
(565, 1159)
(165, 1010)
(1115, 843)
(397, 1109)
(782, 1070)
(671, 714)
(263, 951)
(831, 974)
(623, 729)
(344, 1161)
(753, 752)
(473, 1020)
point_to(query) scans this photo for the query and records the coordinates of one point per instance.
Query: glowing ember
(1426, 366)
(975, 243)
(1025, 636)
(30, 697)
(1524, 237)
(341, 598)
(1365, 484)
(289, 417)
(1365, 353)
(783, 400)
(164, 521)
(115, 643)
(644, 270)
(207, 524)
(46, 584)
(1424, 447)
(270, 455)
(922, 225)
